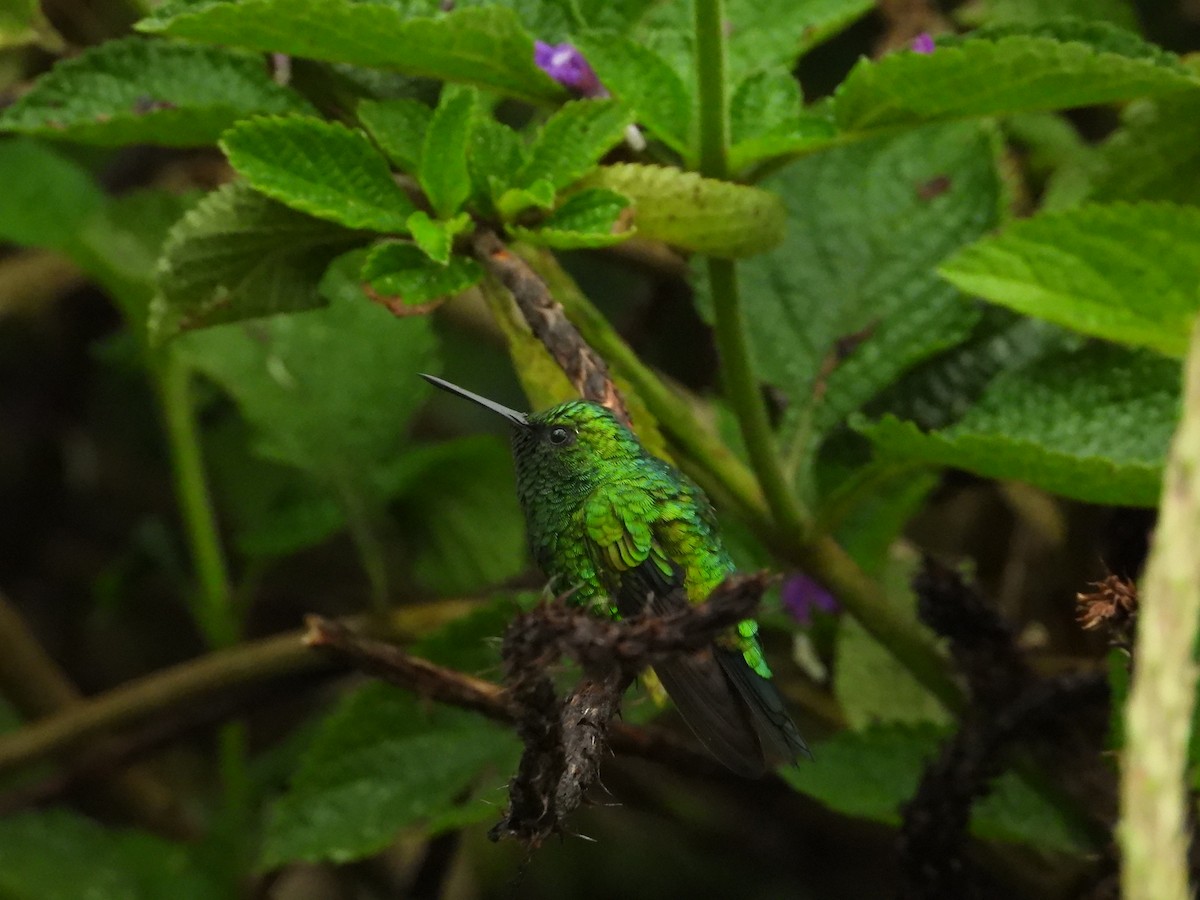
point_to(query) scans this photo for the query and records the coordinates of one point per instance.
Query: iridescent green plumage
(624, 531)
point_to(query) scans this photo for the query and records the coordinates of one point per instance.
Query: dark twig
(1008, 705)
(583, 366)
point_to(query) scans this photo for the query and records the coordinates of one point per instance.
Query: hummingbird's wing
(630, 547)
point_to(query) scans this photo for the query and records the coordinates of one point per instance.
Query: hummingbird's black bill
(516, 418)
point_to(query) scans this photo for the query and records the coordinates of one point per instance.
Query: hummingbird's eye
(559, 435)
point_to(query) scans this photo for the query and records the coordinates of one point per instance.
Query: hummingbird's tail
(736, 713)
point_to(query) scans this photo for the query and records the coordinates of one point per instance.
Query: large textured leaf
(851, 299)
(321, 168)
(994, 77)
(573, 140)
(871, 773)
(485, 46)
(240, 255)
(329, 391)
(1125, 272)
(716, 218)
(1092, 424)
(46, 197)
(60, 855)
(143, 91)
(383, 761)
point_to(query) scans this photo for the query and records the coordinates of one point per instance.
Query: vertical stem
(740, 383)
(1154, 792)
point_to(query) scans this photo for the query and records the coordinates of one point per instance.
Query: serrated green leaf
(871, 773)
(572, 142)
(1124, 272)
(494, 156)
(443, 170)
(321, 168)
(398, 126)
(1154, 155)
(432, 236)
(484, 46)
(329, 391)
(1092, 424)
(152, 92)
(590, 218)
(240, 255)
(46, 198)
(767, 119)
(402, 270)
(510, 203)
(703, 215)
(987, 78)
(644, 82)
(381, 762)
(851, 300)
(61, 855)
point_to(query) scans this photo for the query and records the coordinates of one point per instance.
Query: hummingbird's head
(564, 452)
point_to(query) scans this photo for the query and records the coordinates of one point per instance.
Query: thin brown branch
(584, 367)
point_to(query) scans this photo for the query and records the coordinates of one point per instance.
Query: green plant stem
(213, 607)
(217, 673)
(1154, 794)
(747, 400)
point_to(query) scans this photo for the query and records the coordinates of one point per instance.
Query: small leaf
(402, 270)
(240, 255)
(997, 77)
(1125, 272)
(494, 156)
(443, 169)
(380, 762)
(321, 168)
(484, 46)
(572, 141)
(645, 82)
(766, 119)
(1091, 424)
(514, 201)
(135, 90)
(590, 218)
(717, 218)
(398, 126)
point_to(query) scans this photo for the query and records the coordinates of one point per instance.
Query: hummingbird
(625, 531)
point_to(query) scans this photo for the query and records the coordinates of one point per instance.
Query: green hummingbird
(624, 530)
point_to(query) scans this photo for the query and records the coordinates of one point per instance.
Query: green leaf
(870, 685)
(514, 201)
(590, 218)
(398, 126)
(766, 119)
(435, 238)
(46, 197)
(871, 773)
(1125, 272)
(240, 255)
(443, 169)
(22, 23)
(1091, 424)
(987, 78)
(402, 270)
(484, 46)
(1116, 12)
(494, 156)
(61, 855)
(851, 300)
(470, 643)
(321, 168)
(460, 517)
(644, 82)
(572, 141)
(716, 218)
(329, 391)
(153, 92)
(382, 761)
(1154, 155)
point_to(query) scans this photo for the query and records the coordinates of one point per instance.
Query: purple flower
(923, 43)
(568, 67)
(802, 597)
